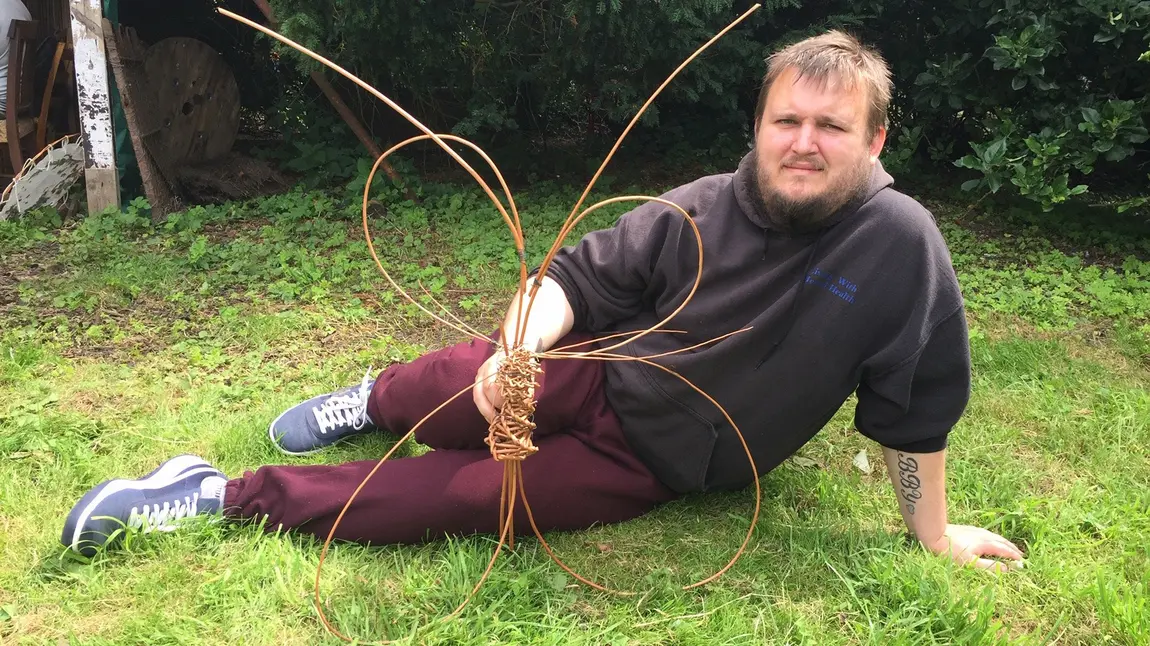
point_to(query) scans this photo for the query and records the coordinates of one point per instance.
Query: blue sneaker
(324, 420)
(182, 487)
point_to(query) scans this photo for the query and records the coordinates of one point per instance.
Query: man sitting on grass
(847, 287)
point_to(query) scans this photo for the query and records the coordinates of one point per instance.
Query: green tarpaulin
(131, 185)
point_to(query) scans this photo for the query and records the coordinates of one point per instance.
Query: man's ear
(877, 143)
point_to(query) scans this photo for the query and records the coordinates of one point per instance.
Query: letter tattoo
(909, 482)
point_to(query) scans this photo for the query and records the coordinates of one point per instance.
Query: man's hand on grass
(919, 483)
(968, 545)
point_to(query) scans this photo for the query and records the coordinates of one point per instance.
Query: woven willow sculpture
(509, 434)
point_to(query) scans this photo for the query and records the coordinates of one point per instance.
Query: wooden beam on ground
(126, 54)
(337, 102)
(91, 65)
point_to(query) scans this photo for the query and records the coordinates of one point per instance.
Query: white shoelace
(162, 518)
(345, 410)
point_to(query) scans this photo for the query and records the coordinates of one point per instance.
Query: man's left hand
(968, 545)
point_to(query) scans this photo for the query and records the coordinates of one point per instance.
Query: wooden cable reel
(197, 101)
(509, 433)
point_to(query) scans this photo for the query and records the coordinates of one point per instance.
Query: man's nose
(804, 143)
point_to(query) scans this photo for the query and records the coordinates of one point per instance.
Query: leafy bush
(485, 68)
(1042, 93)
(1040, 98)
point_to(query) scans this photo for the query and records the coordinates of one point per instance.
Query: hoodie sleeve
(913, 406)
(609, 274)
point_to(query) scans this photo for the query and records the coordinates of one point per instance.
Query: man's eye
(831, 126)
(786, 121)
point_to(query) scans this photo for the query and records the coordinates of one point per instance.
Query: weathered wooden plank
(100, 178)
(125, 52)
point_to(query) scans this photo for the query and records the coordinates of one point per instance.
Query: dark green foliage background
(1039, 98)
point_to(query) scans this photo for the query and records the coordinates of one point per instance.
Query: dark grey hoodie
(869, 303)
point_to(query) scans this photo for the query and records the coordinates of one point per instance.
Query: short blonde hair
(834, 57)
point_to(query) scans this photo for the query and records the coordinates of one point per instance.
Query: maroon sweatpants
(583, 474)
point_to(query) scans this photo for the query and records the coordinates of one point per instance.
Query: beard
(808, 213)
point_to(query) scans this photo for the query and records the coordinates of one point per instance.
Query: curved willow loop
(439, 139)
(331, 533)
(698, 243)
(742, 440)
(516, 230)
(567, 226)
(514, 226)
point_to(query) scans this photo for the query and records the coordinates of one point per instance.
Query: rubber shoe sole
(166, 474)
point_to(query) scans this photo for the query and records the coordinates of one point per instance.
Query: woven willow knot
(509, 435)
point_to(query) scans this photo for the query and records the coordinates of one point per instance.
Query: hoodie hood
(743, 185)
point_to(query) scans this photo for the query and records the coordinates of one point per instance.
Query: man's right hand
(487, 395)
(488, 399)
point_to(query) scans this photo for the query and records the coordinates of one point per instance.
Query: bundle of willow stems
(509, 433)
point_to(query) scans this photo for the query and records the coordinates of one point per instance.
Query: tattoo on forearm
(909, 483)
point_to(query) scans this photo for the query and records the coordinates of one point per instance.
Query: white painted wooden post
(100, 178)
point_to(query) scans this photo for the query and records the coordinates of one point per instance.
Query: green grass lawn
(122, 345)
